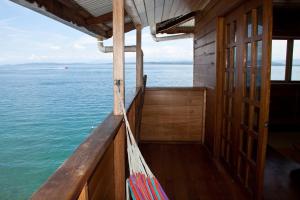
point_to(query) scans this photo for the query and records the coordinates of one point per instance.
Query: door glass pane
(248, 58)
(228, 136)
(247, 81)
(252, 179)
(227, 58)
(257, 85)
(249, 25)
(254, 146)
(226, 81)
(256, 120)
(296, 61)
(244, 142)
(234, 67)
(230, 107)
(259, 54)
(279, 50)
(228, 34)
(234, 32)
(225, 105)
(242, 170)
(259, 21)
(246, 114)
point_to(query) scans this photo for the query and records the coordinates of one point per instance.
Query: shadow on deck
(278, 184)
(187, 171)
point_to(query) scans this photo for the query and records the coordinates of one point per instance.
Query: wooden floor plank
(278, 184)
(186, 171)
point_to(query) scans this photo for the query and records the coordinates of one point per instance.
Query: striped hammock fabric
(142, 184)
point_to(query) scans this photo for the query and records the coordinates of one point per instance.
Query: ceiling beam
(174, 22)
(177, 30)
(127, 27)
(100, 19)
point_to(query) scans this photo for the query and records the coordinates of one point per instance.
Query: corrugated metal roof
(96, 7)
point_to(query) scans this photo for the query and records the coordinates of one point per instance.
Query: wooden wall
(173, 114)
(205, 61)
(283, 14)
(101, 183)
(285, 107)
(205, 73)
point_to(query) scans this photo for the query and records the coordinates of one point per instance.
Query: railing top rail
(69, 179)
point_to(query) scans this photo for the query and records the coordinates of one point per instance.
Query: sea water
(47, 110)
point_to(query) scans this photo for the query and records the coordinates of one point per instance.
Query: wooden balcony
(170, 130)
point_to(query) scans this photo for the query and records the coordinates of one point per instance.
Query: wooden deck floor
(278, 184)
(186, 171)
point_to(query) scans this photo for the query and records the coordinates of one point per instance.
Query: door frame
(265, 88)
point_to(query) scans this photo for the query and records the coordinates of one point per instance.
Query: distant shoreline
(108, 63)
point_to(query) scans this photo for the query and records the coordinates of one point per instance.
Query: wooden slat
(84, 193)
(187, 172)
(101, 182)
(173, 114)
(119, 164)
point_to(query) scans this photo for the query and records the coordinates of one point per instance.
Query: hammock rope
(141, 184)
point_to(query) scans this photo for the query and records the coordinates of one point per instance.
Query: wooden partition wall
(232, 59)
(173, 114)
(92, 171)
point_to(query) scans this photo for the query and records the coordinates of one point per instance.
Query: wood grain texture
(186, 171)
(173, 114)
(118, 53)
(101, 184)
(119, 164)
(84, 195)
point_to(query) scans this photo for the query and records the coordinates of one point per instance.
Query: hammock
(141, 184)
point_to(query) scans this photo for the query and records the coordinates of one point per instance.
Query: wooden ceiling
(94, 17)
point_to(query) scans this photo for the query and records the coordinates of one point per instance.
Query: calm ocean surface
(46, 111)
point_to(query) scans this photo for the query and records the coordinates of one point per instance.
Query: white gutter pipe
(169, 37)
(172, 37)
(109, 49)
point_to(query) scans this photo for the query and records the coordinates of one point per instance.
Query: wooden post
(118, 75)
(118, 52)
(139, 57)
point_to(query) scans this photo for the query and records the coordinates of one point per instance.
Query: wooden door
(245, 96)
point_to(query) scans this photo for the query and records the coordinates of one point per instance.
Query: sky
(29, 37)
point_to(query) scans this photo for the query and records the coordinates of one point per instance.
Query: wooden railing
(96, 170)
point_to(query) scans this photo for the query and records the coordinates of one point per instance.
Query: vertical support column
(139, 57)
(118, 75)
(118, 52)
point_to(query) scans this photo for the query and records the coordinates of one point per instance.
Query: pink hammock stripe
(145, 188)
(142, 184)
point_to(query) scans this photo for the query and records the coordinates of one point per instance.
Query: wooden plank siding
(205, 62)
(205, 73)
(173, 114)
